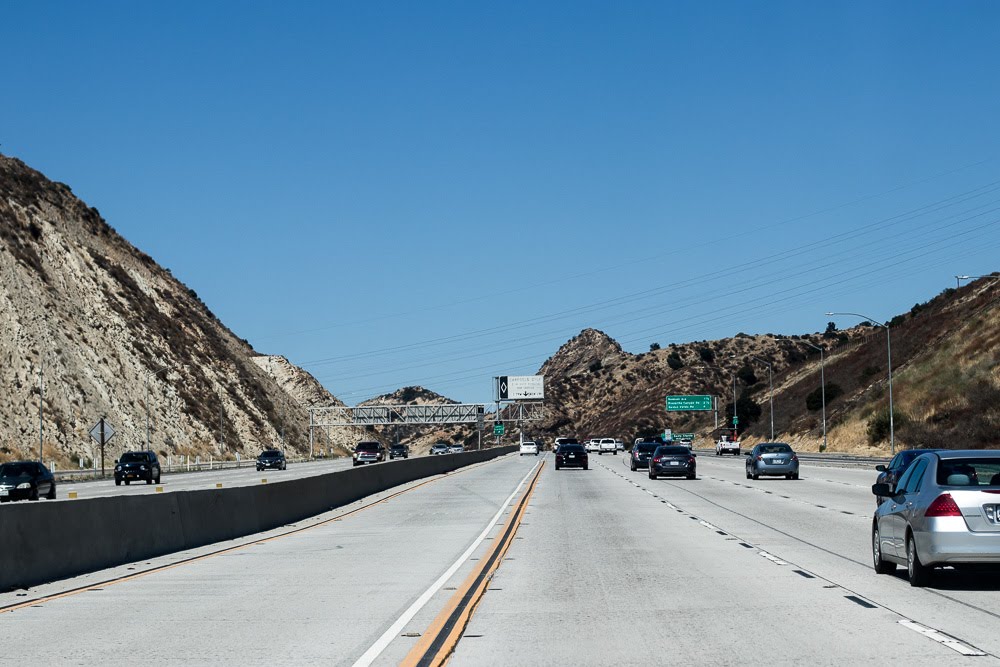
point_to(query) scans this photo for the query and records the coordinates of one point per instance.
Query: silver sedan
(944, 510)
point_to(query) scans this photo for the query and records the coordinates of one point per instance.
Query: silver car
(772, 458)
(944, 510)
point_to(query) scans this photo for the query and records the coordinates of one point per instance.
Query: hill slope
(94, 320)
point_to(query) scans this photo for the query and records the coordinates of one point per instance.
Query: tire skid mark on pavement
(958, 645)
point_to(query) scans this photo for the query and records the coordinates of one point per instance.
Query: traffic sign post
(699, 403)
(102, 432)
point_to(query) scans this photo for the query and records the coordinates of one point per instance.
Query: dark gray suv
(137, 465)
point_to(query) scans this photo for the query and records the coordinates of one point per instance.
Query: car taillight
(656, 459)
(760, 458)
(795, 457)
(943, 505)
(690, 459)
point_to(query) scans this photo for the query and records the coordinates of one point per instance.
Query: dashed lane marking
(941, 638)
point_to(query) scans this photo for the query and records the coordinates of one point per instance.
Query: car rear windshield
(563, 449)
(567, 441)
(969, 472)
(775, 449)
(17, 469)
(133, 457)
(367, 447)
(646, 447)
(672, 450)
(270, 453)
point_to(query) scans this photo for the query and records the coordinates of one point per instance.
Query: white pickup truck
(607, 445)
(727, 446)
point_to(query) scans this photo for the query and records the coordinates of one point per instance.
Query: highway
(205, 479)
(595, 567)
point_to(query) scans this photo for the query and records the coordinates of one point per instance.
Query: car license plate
(4, 492)
(777, 461)
(675, 463)
(572, 456)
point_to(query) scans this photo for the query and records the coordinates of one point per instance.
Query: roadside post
(102, 432)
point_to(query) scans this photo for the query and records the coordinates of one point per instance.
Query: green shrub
(747, 376)
(814, 401)
(878, 424)
(706, 354)
(674, 361)
(653, 347)
(595, 367)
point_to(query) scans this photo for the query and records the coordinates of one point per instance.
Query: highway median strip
(441, 638)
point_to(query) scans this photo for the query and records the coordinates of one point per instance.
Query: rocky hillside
(92, 322)
(946, 381)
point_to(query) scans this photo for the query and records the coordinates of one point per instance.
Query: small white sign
(521, 387)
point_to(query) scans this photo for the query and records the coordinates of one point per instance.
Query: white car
(620, 445)
(607, 445)
(593, 445)
(727, 447)
(528, 447)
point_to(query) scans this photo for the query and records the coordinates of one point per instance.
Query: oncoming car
(26, 480)
(944, 510)
(369, 452)
(438, 449)
(271, 459)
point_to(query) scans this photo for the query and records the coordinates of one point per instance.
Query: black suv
(137, 465)
(271, 458)
(399, 451)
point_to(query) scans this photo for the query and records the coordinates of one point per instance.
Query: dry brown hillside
(420, 438)
(946, 381)
(93, 319)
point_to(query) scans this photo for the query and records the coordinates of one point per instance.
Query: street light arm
(864, 317)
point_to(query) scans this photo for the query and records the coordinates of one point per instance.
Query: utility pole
(41, 407)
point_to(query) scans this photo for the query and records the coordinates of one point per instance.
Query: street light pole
(770, 382)
(888, 347)
(822, 384)
(149, 375)
(41, 407)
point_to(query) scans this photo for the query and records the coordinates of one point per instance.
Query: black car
(641, 454)
(672, 460)
(890, 474)
(571, 456)
(26, 480)
(137, 465)
(273, 459)
(399, 451)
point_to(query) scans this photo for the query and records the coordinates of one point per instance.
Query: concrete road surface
(607, 567)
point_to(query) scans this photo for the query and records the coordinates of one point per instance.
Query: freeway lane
(324, 594)
(608, 567)
(190, 481)
(615, 568)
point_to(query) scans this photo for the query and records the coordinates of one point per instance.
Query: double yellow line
(438, 642)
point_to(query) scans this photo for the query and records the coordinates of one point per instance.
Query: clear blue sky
(435, 193)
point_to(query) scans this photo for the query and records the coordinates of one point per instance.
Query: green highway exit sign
(689, 403)
(498, 429)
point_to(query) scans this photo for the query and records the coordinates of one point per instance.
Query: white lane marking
(389, 635)
(708, 525)
(942, 638)
(773, 559)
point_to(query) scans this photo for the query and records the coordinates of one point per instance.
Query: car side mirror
(116, 461)
(882, 489)
(880, 467)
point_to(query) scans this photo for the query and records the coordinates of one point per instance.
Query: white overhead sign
(520, 387)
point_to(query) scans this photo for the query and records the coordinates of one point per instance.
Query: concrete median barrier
(46, 541)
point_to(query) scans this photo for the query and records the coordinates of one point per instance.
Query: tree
(747, 376)
(674, 361)
(747, 411)
(653, 347)
(706, 354)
